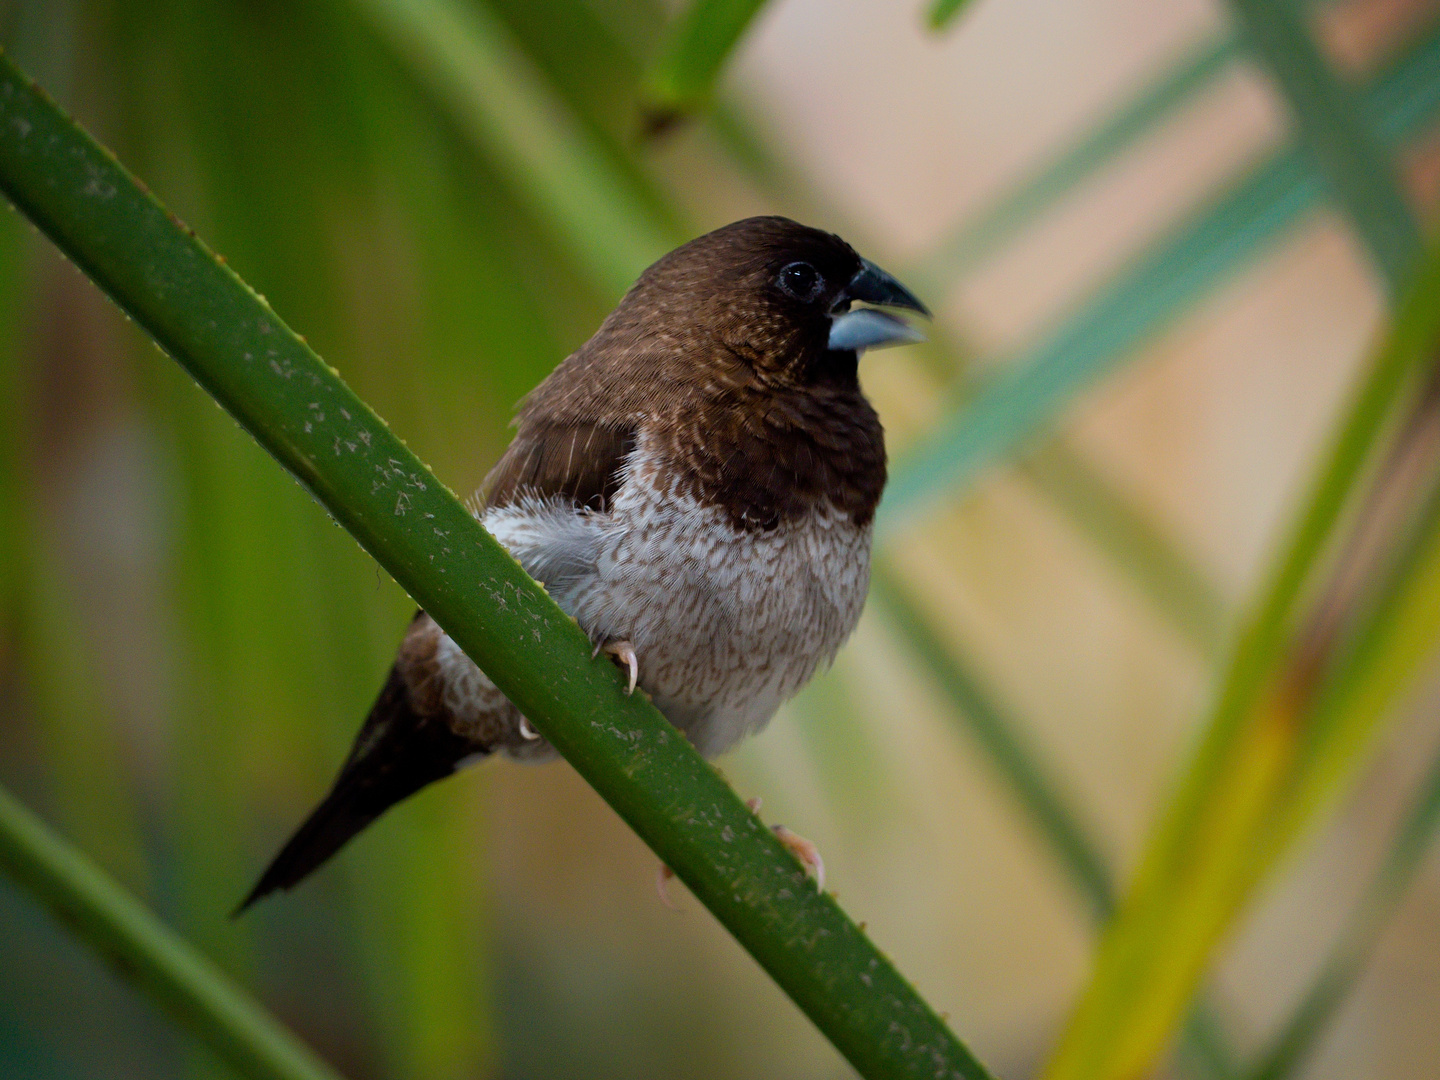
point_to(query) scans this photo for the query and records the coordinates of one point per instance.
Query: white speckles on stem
(98, 187)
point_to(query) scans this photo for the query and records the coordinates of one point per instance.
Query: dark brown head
(766, 290)
(734, 359)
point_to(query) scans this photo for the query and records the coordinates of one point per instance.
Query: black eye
(801, 280)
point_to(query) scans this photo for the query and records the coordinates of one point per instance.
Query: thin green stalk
(1034, 386)
(141, 948)
(468, 60)
(1204, 1049)
(1165, 281)
(1004, 742)
(1291, 1046)
(1336, 133)
(227, 337)
(1271, 752)
(1163, 573)
(943, 12)
(981, 234)
(682, 77)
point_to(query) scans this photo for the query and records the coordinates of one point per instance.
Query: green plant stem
(943, 12)
(218, 329)
(141, 948)
(682, 77)
(1205, 1049)
(468, 60)
(981, 234)
(1004, 742)
(1294, 1042)
(1336, 134)
(1271, 753)
(1150, 294)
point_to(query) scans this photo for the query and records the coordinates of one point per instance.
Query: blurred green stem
(1292, 717)
(140, 948)
(943, 12)
(1004, 742)
(467, 59)
(1335, 131)
(1292, 1045)
(703, 36)
(226, 336)
(981, 234)
(1161, 283)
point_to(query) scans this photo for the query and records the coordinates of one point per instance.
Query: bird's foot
(804, 850)
(624, 654)
(662, 878)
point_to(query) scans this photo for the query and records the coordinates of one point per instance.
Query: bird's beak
(868, 328)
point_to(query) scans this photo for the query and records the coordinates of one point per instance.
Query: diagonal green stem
(1204, 1049)
(227, 337)
(1149, 295)
(982, 234)
(1291, 1046)
(1005, 744)
(1334, 130)
(682, 78)
(1156, 565)
(466, 58)
(141, 948)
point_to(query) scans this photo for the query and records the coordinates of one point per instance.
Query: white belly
(727, 624)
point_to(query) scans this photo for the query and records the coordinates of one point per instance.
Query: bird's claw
(624, 653)
(664, 875)
(805, 851)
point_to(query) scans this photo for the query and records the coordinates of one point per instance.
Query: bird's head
(776, 294)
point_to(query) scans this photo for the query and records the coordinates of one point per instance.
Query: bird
(696, 485)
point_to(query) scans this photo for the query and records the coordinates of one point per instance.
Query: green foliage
(1148, 295)
(1335, 132)
(1285, 730)
(943, 12)
(177, 977)
(682, 78)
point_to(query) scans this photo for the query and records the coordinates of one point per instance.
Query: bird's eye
(801, 280)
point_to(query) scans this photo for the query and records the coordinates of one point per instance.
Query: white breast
(727, 624)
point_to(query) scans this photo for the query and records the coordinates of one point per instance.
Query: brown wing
(574, 460)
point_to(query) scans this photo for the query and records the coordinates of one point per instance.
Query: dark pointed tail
(397, 752)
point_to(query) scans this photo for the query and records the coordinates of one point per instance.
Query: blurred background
(1149, 314)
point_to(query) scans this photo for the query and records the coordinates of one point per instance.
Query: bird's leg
(804, 850)
(661, 878)
(624, 653)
